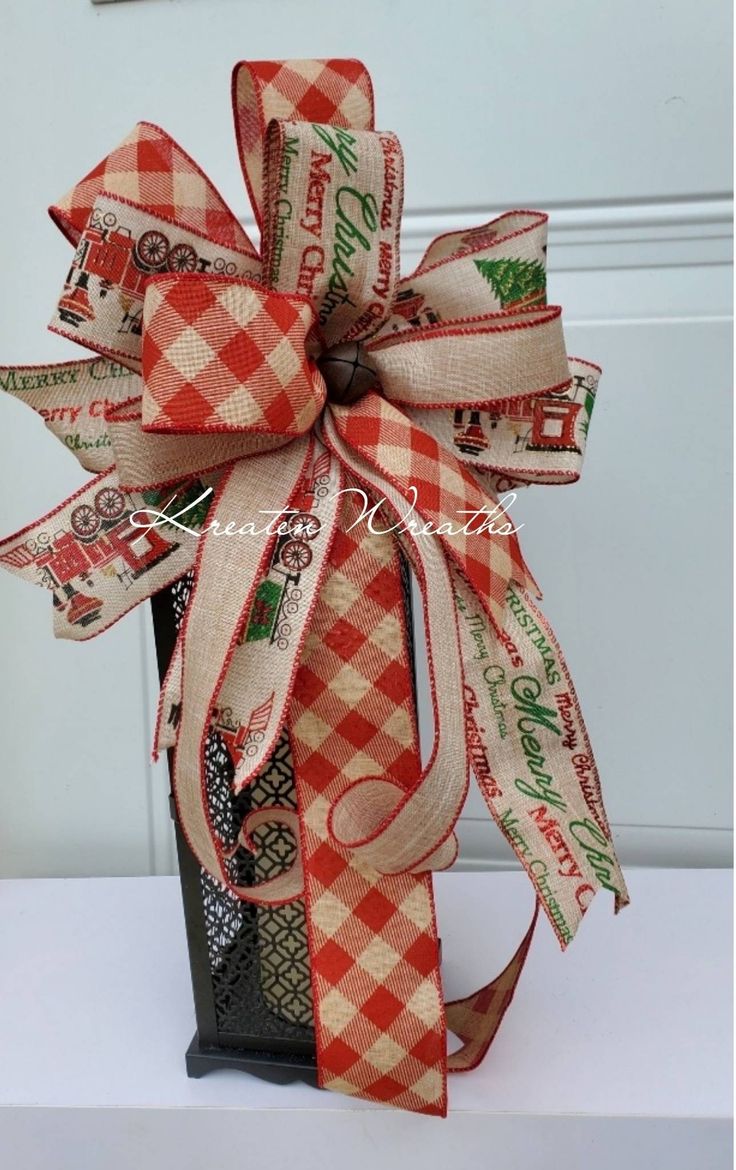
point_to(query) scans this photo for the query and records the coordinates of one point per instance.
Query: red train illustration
(100, 536)
(109, 252)
(242, 740)
(480, 237)
(542, 424)
(413, 308)
(469, 437)
(278, 595)
(233, 734)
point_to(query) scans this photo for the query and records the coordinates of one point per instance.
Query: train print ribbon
(245, 416)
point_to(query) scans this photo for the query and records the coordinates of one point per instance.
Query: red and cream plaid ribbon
(225, 379)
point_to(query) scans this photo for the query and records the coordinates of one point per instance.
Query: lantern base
(279, 1068)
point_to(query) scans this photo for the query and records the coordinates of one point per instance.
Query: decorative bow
(301, 417)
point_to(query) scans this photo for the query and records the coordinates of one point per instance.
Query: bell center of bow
(347, 372)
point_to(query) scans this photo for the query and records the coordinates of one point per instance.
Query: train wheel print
(182, 258)
(221, 265)
(304, 525)
(84, 520)
(109, 503)
(296, 555)
(152, 249)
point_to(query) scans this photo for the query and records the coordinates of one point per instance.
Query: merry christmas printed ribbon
(284, 426)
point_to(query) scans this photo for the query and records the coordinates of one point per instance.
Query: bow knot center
(347, 372)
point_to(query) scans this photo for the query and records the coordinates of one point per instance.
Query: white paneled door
(615, 118)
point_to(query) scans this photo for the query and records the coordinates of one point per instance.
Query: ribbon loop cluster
(219, 452)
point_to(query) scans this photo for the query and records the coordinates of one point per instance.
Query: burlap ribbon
(301, 417)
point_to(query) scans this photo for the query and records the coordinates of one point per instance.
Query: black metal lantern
(249, 964)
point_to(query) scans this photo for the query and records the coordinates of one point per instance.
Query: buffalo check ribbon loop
(370, 419)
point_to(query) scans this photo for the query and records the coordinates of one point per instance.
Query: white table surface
(617, 1053)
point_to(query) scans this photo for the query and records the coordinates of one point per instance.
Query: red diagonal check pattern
(373, 947)
(476, 1018)
(334, 91)
(149, 167)
(446, 494)
(226, 355)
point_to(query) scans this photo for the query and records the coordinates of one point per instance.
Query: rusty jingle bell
(347, 372)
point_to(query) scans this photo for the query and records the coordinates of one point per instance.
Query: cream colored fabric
(228, 571)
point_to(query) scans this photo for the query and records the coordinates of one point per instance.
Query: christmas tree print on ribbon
(189, 506)
(515, 282)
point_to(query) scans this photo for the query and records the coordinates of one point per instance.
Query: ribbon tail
(288, 885)
(168, 711)
(476, 1019)
(532, 759)
(227, 573)
(379, 1017)
(270, 646)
